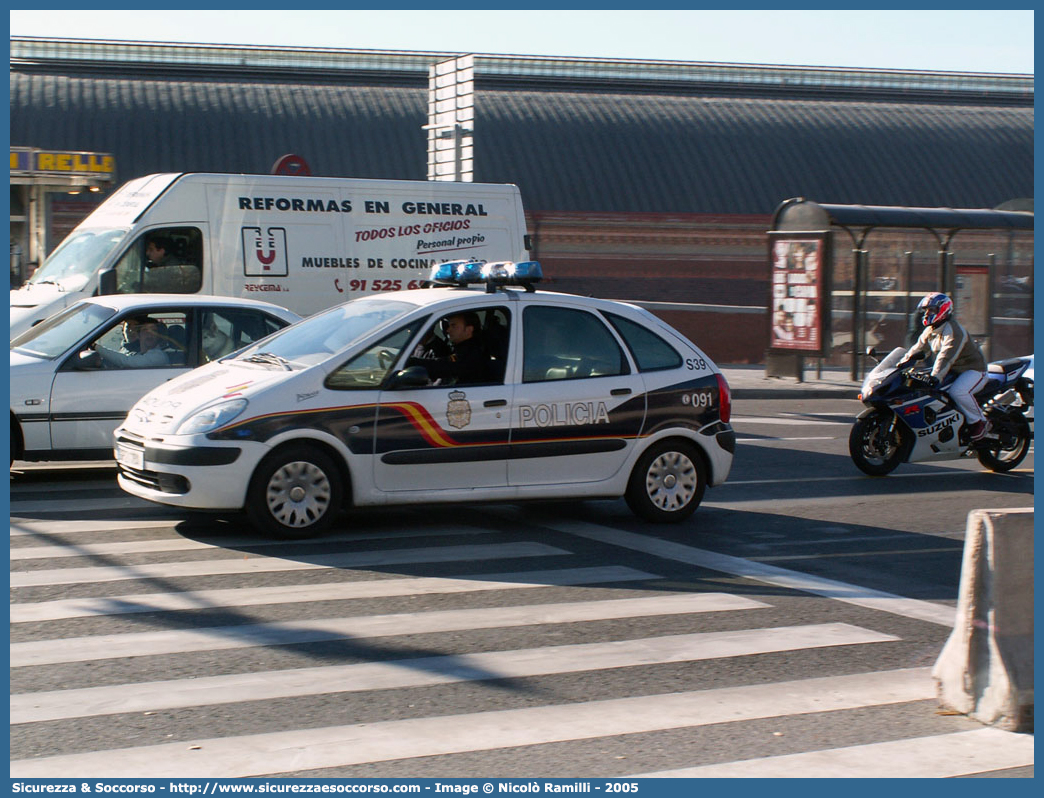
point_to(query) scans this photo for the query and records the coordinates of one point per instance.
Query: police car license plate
(132, 458)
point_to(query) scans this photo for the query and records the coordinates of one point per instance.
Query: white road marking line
(334, 591)
(223, 638)
(942, 756)
(770, 574)
(946, 471)
(22, 528)
(341, 746)
(208, 691)
(245, 564)
(176, 543)
(804, 422)
(777, 440)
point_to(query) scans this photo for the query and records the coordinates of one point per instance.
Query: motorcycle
(907, 420)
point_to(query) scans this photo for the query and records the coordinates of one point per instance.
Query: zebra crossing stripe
(341, 746)
(23, 528)
(422, 671)
(59, 550)
(333, 591)
(769, 574)
(141, 644)
(262, 564)
(941, 756)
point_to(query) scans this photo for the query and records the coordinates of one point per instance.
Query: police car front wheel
(667, 483)
(295, 493)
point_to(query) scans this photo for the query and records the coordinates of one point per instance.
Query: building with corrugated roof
(643, 180)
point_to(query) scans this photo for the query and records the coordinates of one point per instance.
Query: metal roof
(638, 147)
(799, 214)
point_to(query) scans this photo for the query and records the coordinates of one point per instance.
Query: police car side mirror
(412, 377)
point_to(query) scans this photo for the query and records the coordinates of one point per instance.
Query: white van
(304, 243)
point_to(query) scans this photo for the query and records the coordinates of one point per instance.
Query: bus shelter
(824, 305)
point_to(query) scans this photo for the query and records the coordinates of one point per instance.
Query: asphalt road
(540, 640)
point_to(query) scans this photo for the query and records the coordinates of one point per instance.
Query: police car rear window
(650, 352)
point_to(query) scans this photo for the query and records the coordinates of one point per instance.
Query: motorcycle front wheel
(877, 443)
(1012, 444)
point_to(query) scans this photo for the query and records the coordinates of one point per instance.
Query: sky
(937, 40)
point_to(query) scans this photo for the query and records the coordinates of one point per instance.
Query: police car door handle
(620, 391)
(494, 403)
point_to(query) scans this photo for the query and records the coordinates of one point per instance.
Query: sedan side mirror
(87, 360)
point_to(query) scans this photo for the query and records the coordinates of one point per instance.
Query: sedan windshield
(53, 337)
(78, 257)
(316, 338)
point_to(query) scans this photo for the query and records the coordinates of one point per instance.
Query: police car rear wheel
(667, 483)
(295, 493)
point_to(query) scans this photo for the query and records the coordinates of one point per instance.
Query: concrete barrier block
(986, 667)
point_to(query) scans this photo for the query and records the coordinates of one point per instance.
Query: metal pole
(990, 277)
(908, 301)
(858, 312)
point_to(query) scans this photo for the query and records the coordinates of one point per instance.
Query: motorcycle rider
(955, 351)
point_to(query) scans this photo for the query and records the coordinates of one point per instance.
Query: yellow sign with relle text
(100, 165)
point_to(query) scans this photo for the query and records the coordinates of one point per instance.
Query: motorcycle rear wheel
(877, 443)
(1013, 437)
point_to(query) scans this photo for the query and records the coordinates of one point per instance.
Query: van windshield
(318, 337)
(77, 258)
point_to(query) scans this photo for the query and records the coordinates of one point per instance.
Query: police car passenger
(467, 363)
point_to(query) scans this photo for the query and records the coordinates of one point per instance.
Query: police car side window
(650, 352)
(566, 344)
(368, 369)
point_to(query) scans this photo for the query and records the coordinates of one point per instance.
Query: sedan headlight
(212, 417)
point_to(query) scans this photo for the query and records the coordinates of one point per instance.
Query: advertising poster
(797, 288)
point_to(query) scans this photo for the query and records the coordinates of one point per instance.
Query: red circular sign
(291, 165)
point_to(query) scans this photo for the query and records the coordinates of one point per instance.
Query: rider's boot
(979, 429)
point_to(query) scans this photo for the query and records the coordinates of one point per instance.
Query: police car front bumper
(189, 474)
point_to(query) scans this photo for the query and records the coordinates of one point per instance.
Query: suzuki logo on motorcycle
(264, 252)
(946, 422)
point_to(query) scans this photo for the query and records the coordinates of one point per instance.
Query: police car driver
(955, 351)
(468, 361)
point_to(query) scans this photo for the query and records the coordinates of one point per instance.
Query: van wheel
(667, 483)
(295, 493)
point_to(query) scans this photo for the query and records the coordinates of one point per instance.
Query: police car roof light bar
(462, 273)
(452, 272)
(501, 273)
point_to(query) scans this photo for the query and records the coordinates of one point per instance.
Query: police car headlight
(210, 418)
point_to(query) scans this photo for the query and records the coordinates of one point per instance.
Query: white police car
(582, 398)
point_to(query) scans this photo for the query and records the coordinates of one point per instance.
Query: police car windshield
(318, 337)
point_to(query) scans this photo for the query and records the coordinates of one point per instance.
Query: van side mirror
(107, 283)
(412, 377)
